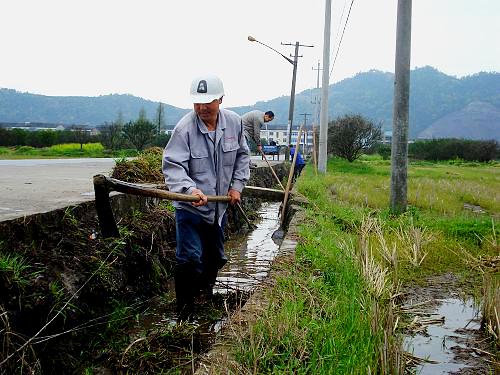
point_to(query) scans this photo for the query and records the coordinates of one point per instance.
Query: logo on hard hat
(202, 87)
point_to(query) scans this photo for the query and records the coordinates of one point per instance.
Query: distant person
(253, 122)
(272, 143)
(206, 155)
(299, 163)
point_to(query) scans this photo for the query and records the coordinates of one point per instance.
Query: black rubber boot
(207, 283)
(184, 290)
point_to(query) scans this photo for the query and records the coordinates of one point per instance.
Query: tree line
(349, 137)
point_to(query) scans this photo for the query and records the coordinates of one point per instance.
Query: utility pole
(323, 127)
(317, 100)
(399, 153)
(316, 103)
(305, 130)
(160, 118)
(294, 78)
(318, 69)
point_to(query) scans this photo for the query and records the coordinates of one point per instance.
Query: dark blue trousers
(199, 255)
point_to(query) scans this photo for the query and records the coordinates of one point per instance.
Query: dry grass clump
(413, 240)
(405, 243)
(373, 272)
(491, 305)
(384, 288)
(15, 357)
(145, 168)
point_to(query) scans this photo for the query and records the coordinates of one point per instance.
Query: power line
(317, 99)
(339, 26)
(341, 38)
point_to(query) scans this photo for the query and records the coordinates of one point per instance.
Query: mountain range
(441, 106)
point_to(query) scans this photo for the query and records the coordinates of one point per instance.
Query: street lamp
(252, 39)
(294, 77)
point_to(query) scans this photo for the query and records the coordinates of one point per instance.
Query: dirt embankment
(68, 296)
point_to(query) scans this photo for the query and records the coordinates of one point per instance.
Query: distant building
(387, 136)
(279, 134)
(169, 129)
(35, 126)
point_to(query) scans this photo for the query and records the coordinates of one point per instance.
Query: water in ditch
(447, 343)
(250, 259)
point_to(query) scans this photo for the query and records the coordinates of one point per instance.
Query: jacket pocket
(229, 152)
(199, 162)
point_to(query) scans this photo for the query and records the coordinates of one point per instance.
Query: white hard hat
(206, 88)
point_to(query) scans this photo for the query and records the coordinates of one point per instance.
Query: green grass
(437, 188)
(319, 318)
(437, 195)
(14, 270)
(67, 150)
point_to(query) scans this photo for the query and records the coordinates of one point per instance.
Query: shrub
(25, 150)
(384, 150)
(161, 140)
(446, 149)
(349, 136)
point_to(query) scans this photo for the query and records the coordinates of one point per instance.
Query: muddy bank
(57, 269)
(69, 297)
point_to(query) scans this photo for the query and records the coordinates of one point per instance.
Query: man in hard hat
(206, 155)
(252, 123)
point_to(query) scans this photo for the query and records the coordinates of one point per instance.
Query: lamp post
(294, 78)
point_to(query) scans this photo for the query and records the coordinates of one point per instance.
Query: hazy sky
(153, 48)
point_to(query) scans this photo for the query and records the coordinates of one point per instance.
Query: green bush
(447, 149)
(161, 140)
(25, 150)
(384, 150)
(351, 135)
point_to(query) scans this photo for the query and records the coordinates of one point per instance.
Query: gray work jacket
(192, 160)
(252, 122)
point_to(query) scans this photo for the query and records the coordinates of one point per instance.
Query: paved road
(39, 185)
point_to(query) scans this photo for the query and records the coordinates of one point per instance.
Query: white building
(279, 134)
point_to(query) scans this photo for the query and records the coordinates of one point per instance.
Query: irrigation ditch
(73, 301)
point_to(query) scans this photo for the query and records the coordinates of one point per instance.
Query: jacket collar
(221, 123)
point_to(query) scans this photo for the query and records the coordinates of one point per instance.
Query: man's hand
(235, 196)
(203, 198)
(259, 148)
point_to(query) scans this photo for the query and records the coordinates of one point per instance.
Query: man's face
(207, 111)
(268, 118)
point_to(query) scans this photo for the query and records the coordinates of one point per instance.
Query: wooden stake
(272, 170)
(290, 175)
(250, 225)
(315, 161)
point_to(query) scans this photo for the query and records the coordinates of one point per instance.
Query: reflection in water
(249, 262)
(444, 340)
